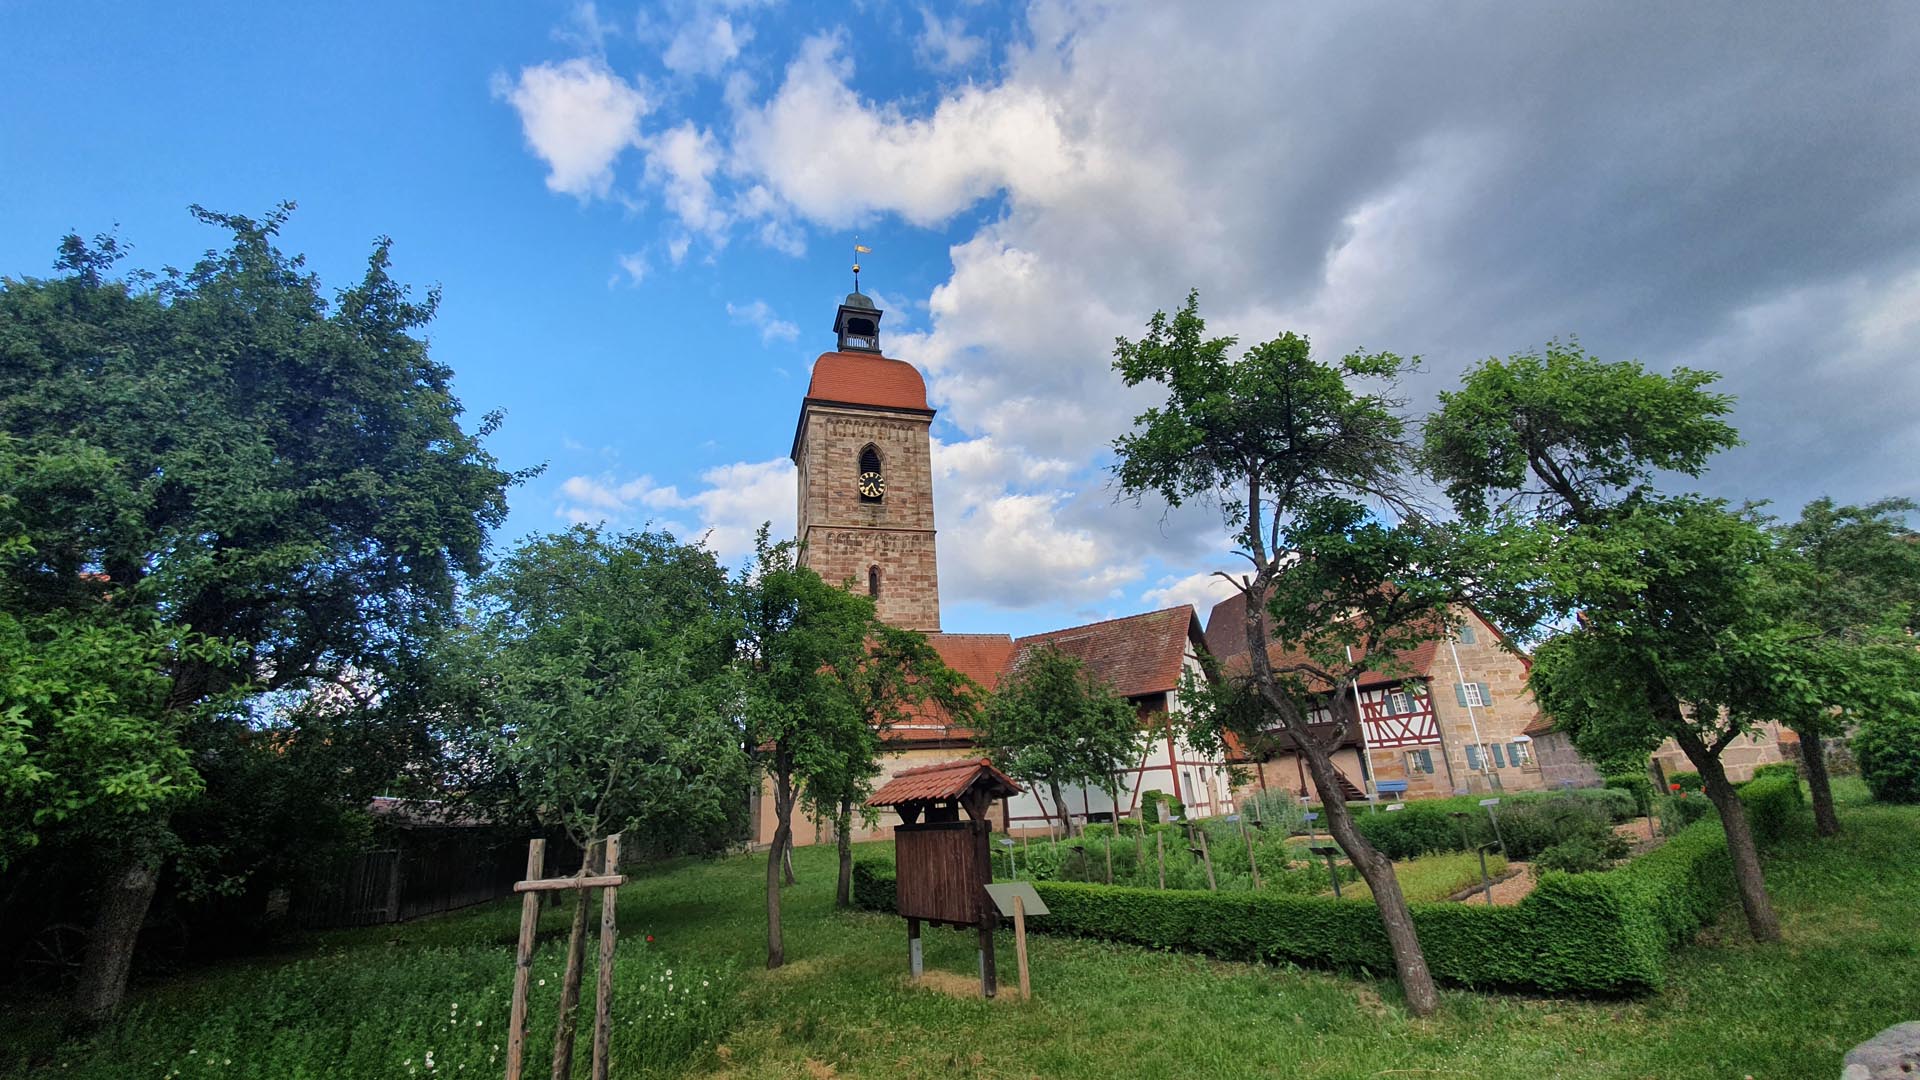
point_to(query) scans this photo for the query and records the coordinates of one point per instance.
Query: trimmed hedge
(1601, 933)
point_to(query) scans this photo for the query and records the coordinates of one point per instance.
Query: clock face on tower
(872, 485)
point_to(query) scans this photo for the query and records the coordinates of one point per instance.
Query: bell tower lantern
(857, 324)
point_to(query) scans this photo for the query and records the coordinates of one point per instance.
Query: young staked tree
(897, 676)
(1289, 449)
(1560, 452)
(1052, 724)
(1846, 583)
(604, 687)
(803, 726)
(285, 474)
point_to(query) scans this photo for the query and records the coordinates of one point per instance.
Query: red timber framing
(1399, 715)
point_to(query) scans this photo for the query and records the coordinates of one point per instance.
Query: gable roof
(1136, 655)
(946, 780)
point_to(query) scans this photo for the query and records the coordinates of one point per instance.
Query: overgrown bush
(1778, 768)
(1685, 781)
(1530, 828)
(1427, 826)
(1887, 748)
(1679, 810)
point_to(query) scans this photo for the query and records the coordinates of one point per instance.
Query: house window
(1466, 634)
(873, 582)
(1473, 694)
(1420, 761)
(1499, 757)
(1473, 756)
(1399, 703)
(1519, 753)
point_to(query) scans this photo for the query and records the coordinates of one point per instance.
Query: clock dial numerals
(872, 485)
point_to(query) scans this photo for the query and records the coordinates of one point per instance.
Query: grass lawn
(1433, 877)
(1849, 967)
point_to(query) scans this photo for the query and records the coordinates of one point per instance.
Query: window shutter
(1466, 633)
(1499, 757)
(1473, 756)
(1460, 694)
(1426, 761)
(1518, 753)
(1486, 698)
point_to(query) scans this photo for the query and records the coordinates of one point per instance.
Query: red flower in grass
(649, 939)
(1673, 787)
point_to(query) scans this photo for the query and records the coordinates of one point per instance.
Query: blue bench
(1390, 787)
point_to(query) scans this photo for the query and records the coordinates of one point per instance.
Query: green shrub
(1528, 828)
(1779, 768)
(1774, 806)
(1427, 826)
(1686, 781)
(1887, 748)
(1679, 810)
(1638, 785)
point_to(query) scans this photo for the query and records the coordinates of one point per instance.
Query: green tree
(604, 680)
(1846, 583)
(898, 676)
(1052, 723)
(797, 635)
(277, 472)
(1287, 448)
(1561, 452)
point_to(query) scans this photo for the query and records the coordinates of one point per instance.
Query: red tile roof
(1136, 655)
(867, 379)
(947, 780)
(980, 657)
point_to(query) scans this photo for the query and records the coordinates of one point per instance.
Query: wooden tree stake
(1020, 943)
(603, 990)
(1160, 852)
(568, 1021)
(1207, 857)
(1109, 859)
(523, 961)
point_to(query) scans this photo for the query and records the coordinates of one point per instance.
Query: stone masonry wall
(845, 536)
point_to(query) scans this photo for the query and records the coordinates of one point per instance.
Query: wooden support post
(523, 961)
(1252, 863)
(1207, 857)
(1020, 944)
(568, 1021)
(1109, 858)
(989, 982)
(603, 989)
(1160, 852)
(913, 947)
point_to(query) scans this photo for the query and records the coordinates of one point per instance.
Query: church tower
(864, 455)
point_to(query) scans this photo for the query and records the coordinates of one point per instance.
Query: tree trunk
(568, 1023)
(786, 860)
(1060, 804)
(116, 929)
(1813, 755)
(843, 838)
(782, 836)
(1409, 961)
(1752, 886)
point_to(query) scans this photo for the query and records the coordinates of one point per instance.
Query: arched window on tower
(873, 582)
(872, 485)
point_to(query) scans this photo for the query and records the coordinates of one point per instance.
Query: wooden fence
(424, 873)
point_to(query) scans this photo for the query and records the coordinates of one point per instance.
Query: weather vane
(859, 249)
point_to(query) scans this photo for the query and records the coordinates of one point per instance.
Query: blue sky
(641, 214)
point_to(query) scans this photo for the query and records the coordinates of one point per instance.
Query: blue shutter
(1426, 761)
(1473, 756)
(1486, 697)
(1499, 757)
(1460, 694)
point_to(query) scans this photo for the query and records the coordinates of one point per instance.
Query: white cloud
(705, 45)
(1202, 589)
(578, 117)
(760, 316)
(635, 265)
(944, 44)
(835, 159)
(683, 159)
(725, 512)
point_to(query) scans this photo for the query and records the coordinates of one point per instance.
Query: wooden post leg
(989, 981)
(603, 989)
(1207, 856)
(1160, 852)
(1110, 859)
(1020, 944)
(913, 947)
(523, 961)
(1252, 863)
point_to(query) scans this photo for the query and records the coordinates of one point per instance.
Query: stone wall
(845, 538)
